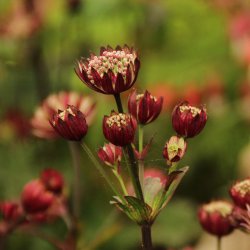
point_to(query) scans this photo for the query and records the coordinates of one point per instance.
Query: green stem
(100, 169)
(119, 178)
(218, 243)
(76, 178)
(141, 162)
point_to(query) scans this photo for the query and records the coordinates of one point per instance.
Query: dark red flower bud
(112, 72)
(110, 154)
(215, 218)
(174, 149)
(52, 180)
(240, 193)
(188, 121)
(11, 211)
(70, 123)
(35, 198)
(144, 107)
(119, 128)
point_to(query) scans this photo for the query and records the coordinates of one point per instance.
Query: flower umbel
(112, 72)
(215, 218)
(188, 121)
(70, 124)
(145, 107)
(174, 149)
(119, 128)
(110, 154)
(240, 193)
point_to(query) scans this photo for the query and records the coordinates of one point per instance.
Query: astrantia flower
(110, 154)
(11, 211)
(70, 123)
(112, 72)
(119, 128)
(215, 218)
(35, 198)
(188, 121)
(240, 193)
(52, 180)
(145, 107)
(174, 149)
(40, 120)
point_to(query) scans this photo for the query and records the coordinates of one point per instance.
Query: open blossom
(110, 154)
(215, 217)
(52, 180)
(35, 198)
(188, 121)
(119, 128)
(174, 149)
(70, 124)
(50, 106)
(112, 72)
(240, 193)
(144, 107)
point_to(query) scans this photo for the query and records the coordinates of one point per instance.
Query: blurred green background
(187, 51)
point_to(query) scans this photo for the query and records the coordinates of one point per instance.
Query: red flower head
(70, 124)
(35, 198)
(215, 218)
(11, 211)
(240, 193)
(174, 149)
(113, 72)
(110, 154)
(52, 180)
(145, 107)
(188, 121)
(61, 100)
(119, 128)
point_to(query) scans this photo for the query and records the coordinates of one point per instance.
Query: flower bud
(11, 211)
(174, 149)
(119, 128)
(215, 218)
(112, 72)
(52, 180)
(35, 198)
(110, 154)
(144, 107)
(188, 121)
(240, 193)
(70, 124)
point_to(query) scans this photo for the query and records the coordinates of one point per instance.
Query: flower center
(117, 61)
(117, 120)
(242, 187)
(194, 111)
(221, 207)
(62, 115)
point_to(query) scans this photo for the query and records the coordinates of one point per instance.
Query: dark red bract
(188, 121)
(119, 128)
(112, 72)
(144, 107)
(70, 123)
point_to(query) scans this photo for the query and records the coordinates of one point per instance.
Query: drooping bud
(35, 198)
(110, 154)
(52, 180)
(70, 124)
(119, 128)
(240, 193)
(112, 72)
(144, 107)
(174, 149)
(188, 121)
(215, 218)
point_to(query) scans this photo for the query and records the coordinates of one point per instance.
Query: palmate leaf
(163, 196)
(135, 209)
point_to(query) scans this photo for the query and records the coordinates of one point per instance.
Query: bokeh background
(189, 49)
